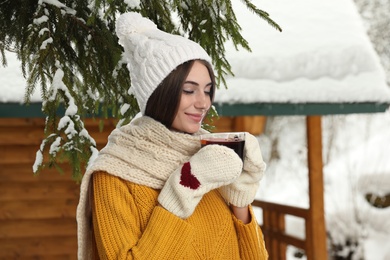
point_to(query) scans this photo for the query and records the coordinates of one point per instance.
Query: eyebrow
(195, 83)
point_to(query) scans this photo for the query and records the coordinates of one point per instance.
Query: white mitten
(211, 167)
(243, 190)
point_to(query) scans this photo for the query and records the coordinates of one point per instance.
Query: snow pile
(322, 55)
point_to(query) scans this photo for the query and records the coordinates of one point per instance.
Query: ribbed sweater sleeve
(250, 239)
(119, 232)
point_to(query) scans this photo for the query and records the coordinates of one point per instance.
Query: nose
(202, 101)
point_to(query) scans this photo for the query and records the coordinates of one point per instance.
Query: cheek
(185, 102)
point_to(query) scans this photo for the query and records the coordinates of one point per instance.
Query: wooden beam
(316, 189)
(252, 124)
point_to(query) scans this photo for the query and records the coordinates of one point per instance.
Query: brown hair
(164, 102)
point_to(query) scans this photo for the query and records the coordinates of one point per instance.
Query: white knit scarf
(144, 152)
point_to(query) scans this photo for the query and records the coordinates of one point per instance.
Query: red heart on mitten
(187, 179)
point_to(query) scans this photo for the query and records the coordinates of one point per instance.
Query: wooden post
(316, 190)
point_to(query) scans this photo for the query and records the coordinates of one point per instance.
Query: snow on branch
(58, 4)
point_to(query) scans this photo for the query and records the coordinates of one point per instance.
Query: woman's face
(195, 100)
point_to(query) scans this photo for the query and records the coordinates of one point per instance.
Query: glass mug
(233, 140)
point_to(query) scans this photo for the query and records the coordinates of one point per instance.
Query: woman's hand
(241, 213)
(243, 190)
(211, 167)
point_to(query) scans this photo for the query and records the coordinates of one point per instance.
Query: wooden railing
(274, 228)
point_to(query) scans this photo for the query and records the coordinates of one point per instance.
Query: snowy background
(323, 54)
(356, 162)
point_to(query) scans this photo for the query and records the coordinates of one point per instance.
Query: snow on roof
(12, 83)
(322, 55)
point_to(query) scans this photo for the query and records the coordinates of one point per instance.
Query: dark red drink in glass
(235, 141)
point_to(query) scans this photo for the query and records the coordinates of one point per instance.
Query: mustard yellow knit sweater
(118, 214)
(128, 224)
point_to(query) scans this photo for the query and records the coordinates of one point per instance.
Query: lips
(196, 117)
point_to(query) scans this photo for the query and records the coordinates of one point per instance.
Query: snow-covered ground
(356, 157)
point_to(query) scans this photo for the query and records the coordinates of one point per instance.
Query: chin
(195, 128)
(191, 129)
(188, 127)
(188, 131)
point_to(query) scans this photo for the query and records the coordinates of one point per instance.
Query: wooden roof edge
(286, 109)
(20, 110)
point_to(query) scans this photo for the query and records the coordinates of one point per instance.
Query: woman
(153, 193)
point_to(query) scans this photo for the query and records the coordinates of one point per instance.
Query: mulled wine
(235, 141)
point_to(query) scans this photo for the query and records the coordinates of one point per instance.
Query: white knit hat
(152, 54)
